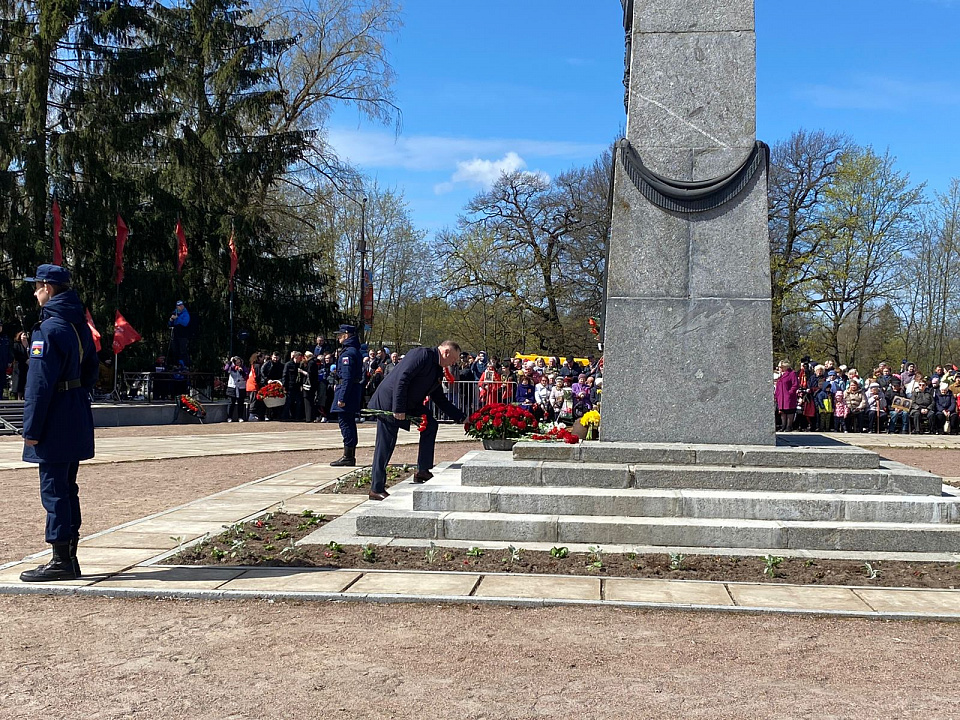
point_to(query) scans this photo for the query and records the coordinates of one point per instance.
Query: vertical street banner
(122, 233)
(234, 259)
(181, 246)
(368, 298)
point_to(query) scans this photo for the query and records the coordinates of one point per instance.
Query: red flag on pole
(122, 233)
(123, 334)
(234, 259)
(181, 246)
(57, 249)
(93, 330)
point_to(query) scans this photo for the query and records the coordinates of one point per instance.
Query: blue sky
(536, 85)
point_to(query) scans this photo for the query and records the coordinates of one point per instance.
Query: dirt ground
(75, 657)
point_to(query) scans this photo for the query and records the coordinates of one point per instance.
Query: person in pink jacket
(785, 394)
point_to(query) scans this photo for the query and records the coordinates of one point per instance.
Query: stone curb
(217, 595)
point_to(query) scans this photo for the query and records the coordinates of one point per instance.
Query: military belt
(68, 385)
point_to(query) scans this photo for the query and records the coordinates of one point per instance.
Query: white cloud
(433, 153)
(482, 173)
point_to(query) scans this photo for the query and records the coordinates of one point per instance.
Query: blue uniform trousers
(387, 430)
(348, 428)
(60, 496)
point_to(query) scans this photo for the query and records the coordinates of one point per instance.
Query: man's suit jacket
(415, 378)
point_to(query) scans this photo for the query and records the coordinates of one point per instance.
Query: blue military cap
(53, 274)
(351, 329)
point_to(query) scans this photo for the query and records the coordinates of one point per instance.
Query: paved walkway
(123, 561)
(128, 449)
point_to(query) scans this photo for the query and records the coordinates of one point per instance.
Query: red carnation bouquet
(557, 434)
(271, 390)
(500, 420)
(191, 406)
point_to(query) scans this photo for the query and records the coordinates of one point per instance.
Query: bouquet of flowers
(591, 421)
(421, 420)
(192, 406)
(272, 394)
(556, 434)
(500, 421)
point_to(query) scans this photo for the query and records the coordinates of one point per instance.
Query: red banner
(123, 334)
(57, 224)
(367, 297)
(181, 246)
(93, 330)
(122, 233)
(234, 259)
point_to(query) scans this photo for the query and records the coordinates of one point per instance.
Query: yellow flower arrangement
(590, 418)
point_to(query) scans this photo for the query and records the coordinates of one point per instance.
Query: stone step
(660, 532)
(688, 504)
(488, 469)
(828, 454)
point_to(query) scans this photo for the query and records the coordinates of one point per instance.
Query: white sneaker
(229, 419)
(240, 420)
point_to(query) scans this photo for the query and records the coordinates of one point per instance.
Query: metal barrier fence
(168, 386)
(470, 395)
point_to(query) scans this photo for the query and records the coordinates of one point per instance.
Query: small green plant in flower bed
(358, 481)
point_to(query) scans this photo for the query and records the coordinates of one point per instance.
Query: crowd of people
(554, 388)
(822, 397)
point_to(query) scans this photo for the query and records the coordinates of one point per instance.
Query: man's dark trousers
(387, 429)
(348, 429)
(60, 496)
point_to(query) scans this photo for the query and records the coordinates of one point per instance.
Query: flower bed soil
(358, 482)
(270, 542)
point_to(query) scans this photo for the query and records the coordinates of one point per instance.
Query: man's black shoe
(59, 568)
(378, 495)
(421, 476)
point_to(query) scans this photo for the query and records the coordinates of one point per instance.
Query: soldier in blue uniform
(57, 419)
(349, 393)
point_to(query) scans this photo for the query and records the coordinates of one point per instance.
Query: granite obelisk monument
(688, 352)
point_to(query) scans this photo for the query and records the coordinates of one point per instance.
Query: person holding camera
(236, 388)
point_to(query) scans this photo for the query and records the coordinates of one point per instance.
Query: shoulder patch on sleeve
(36, 348)
(345, 361)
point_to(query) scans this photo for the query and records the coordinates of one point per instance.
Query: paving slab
(904, 600)
(177, 528)
(258, 489)
(172, 578)
(201, 513)
(132, 540)
(411, 583)
(797, 597)
(324, 503)
(679, 592)
(293, 580)
(113, 557)
(91, 574)
(539, 586)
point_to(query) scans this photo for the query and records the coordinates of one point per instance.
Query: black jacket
(417, 377)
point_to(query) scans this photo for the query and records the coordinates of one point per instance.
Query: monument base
(792, 497)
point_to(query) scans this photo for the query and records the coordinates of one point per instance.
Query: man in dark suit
(403, 392)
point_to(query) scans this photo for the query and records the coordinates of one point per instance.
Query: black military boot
(60, 567)
(349, 458)
(73, 556)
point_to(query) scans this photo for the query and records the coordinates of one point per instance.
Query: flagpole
(231, 323)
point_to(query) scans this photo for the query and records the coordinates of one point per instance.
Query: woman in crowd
(525, 394)
(856, 402)
(876, 417)
(786, 395)
(921, 409)
(944, 410)
(236, 388)
(561, 400)
(253, 384)
(21, 354)
(581, 397)
(542, 395)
